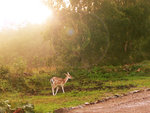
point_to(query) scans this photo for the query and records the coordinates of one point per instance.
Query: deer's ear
(68, 73)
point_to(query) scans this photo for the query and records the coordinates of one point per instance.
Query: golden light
(67, 2)
(14, 13)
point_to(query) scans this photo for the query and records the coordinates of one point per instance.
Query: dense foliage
(88, 31)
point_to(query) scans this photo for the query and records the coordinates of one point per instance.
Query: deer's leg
(63, 89)
(57, 90)
(52, 90)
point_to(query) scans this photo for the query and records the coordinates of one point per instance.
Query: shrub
(4, 71)
(6, 107)
(5, 85)
(19, 66)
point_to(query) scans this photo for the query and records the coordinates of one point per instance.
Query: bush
(6, 107)
(38, 81)
(5, 85)
(19, 66)
(4, 71)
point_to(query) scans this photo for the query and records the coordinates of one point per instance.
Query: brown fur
(56, 82)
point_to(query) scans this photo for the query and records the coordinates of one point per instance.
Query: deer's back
(56, 81)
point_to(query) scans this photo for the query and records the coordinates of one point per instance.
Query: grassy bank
(88, 85)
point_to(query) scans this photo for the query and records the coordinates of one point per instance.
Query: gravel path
(132, 103)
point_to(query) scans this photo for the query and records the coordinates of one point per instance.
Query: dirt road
(132, 103)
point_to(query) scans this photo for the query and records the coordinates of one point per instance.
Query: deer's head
(68, 75)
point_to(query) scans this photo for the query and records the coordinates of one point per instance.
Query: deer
(57, 82)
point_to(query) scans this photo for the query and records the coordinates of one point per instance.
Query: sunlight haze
(18, 13)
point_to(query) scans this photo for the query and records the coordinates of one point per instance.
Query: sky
(17, 13)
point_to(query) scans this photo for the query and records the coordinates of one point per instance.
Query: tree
(83, 32)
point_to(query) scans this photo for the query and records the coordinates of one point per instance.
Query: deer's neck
(66, 79)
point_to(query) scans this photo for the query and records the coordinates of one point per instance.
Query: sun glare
(17, 13)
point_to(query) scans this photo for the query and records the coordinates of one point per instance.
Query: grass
(87, 86)
(46, 103)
